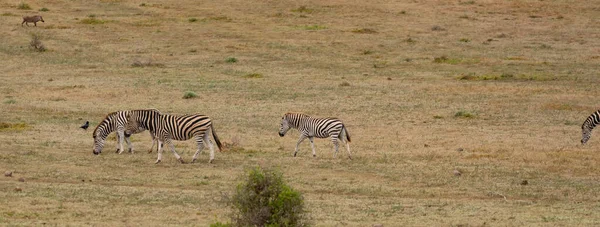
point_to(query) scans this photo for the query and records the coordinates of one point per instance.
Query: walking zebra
(116, 121)
(171, 127)
(588, 125)
(310, 127)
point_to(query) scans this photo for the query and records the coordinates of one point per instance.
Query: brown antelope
(32, 19)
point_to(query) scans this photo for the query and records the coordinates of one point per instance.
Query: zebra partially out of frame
(310, 127)
(116, 121)
(166, 128)
(588, 125)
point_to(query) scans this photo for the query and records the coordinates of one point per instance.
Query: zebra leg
(336, 145)
(120, 136)
(129, 144)
(154, 140)
(312, 145)
(159, 151)
(348, 149)
(302, 137)
(174, 152)
(210, 146)
(200, 147)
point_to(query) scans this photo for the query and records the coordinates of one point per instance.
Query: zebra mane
(591, 121)
(105, 121)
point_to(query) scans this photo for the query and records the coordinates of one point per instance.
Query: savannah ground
(494, 89)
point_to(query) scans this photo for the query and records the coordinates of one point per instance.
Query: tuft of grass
(217, 18)
(4, 126)
(253, 75)
(23, 6)
(367, 52)
(10, 101)
(437, 28)
(345, 84)
(231, 60)
(302, 9)
(193, 19)
(142, 4)
(464, 114)
(410, 40)
(364, 31)
(219, 224)
(464, 40)
(36, 44)
(44, 9)
(189, 95)
(467, 3)
(8, 14)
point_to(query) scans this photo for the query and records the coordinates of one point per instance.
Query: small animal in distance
(32, 19)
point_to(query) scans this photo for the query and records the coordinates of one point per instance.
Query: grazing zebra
(166, 128)
(588, 125)
(116, 121)
(32, 19)
(310, 127)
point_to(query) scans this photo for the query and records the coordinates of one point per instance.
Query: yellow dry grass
(391, 70)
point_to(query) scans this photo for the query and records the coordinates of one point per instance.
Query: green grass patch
(231, 60)
(253, 75)
(189, 95)
(44, 9)
(193, 19)
(464, 114)
(10, 101)
(4, 126)
(8, 14)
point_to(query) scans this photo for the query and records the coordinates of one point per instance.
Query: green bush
(23, 5)
(231, 60)
(263, 199)
(44, 9)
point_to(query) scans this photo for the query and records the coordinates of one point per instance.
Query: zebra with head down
(166, 128)
(588, 125)
(310, 127)
(116, 121)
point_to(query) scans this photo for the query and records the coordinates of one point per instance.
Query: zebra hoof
(314, 155)
(130, 150)
(181, 161)
(210, 161)
(157, 161)
(294, 154)
(118, 151)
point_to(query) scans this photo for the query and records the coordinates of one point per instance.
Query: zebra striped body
(116, 121)
(166, 128)
(588, 125)
(310, 127)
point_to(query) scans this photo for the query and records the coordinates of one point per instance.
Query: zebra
(32, 19)
(116, 121)
(588, 125)
(310, 127)
(166, 128)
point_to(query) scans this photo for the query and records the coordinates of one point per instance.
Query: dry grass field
(497, 90)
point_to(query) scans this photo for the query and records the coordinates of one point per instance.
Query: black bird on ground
(86, 125)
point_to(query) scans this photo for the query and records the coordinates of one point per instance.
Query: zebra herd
(164, 128)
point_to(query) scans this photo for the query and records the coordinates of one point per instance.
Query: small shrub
(367, 52)
(143, 4)
(437, 28)
(440, 59)
(219, 224)
(253, 75)
(231, 60)
(464, 40)
(23, 6)
(263, 199)
(410, 40)
(44, 9)
(464, 114)
(191, 20)
(189, 95)
(403, 12)
(345, 84)
(36, 44)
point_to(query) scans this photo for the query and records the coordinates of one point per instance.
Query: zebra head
(132, 125)
(99, 135)
(285, 126)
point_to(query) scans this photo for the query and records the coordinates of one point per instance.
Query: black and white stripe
(116, 121)
(310, 127)
(172, 127)
(588, 125)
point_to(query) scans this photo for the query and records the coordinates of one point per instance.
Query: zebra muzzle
(281, 134)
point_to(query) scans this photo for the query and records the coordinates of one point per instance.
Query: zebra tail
(347, 135)
(216, 138)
